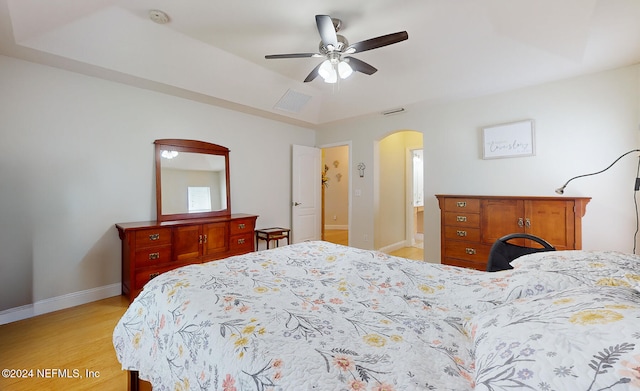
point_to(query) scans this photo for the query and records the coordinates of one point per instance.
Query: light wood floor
(409, 253)
(77, 338)
(80, 338)
(337, 236)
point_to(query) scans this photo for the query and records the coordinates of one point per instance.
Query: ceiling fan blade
(326, 30)
(377, 42)
(293, 55)
(360, 66)
(313, 74)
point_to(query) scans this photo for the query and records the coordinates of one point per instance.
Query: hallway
(340, 236)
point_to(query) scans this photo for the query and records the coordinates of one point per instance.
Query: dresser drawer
(468, 251)
(462, 233)
(461, 219)
(482, 266)
(242, 226)
(150, 256)
(142, 277)
(242, 243)
(153, 237)
(463, 205)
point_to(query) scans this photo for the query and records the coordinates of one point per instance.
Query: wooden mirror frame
(192, 146)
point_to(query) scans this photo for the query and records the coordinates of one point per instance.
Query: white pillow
(585, 267)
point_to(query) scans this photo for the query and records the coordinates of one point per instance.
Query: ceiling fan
(336, 50)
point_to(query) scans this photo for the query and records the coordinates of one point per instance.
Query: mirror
(192, 180)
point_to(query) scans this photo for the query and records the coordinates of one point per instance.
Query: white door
(306, 207)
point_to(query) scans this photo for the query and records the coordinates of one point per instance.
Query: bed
(321, 316)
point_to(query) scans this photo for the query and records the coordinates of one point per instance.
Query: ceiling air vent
(394, 111)
(292, 101)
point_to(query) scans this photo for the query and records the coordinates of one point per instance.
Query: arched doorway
(397, 217)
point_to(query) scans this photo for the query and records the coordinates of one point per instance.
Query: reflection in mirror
(418, 177)
(192, 182)
(192, 179)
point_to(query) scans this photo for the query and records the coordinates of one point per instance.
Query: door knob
(297, 203)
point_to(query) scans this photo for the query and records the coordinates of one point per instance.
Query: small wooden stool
(269, 234)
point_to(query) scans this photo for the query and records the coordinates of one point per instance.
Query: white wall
(582, 125)
(76, 157)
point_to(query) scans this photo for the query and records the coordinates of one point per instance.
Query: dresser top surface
(511, 197)
(137, 225)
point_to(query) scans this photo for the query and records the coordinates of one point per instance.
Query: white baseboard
(393, 247)
(340, 227)
(60, 302)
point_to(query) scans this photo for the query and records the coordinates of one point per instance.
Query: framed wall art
(512, 139)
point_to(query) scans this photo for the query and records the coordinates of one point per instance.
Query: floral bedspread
(585, 338)
(320, 316)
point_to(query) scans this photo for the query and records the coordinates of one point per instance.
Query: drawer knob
(154, 237)
(153, 275)
(240, 241)
(241, 225)
(153, 256)
(461, 233)
(461, 204)
(470, 251)
(461, 218)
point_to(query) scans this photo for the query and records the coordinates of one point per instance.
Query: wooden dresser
(151, 248)
(470, 224)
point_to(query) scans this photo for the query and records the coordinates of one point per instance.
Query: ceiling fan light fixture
(332, 79)
(328, 72)
(344, 69)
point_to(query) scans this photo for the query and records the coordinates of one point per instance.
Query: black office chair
(502, 253)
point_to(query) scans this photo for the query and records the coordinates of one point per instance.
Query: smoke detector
(158, 16)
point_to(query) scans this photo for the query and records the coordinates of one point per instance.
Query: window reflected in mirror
(199, 199)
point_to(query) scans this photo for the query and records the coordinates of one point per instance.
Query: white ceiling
(214, 50)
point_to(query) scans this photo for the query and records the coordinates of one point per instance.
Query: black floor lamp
(560, 190)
